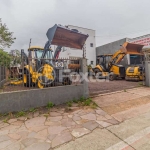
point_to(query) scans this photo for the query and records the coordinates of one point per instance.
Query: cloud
(112, 19)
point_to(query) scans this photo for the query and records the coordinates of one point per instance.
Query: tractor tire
(66, 81)
(111, 77)
(97, 71)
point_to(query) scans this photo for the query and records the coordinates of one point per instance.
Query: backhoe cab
(109, 66)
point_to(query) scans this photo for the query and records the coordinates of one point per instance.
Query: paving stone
(101, 112)
(51, 123)
(89, 116)
(39, 146)
(56, 129)
(58, 118)
(91, 125)
(22, 118)
(67, 122)
(31, 134)
(101, 118)
(4, 132)
(36, 114)
(42, 134)
(23, 134)
(22, 128)
(10, 127)
(2, 125)
(12, 120)
(52, 136)
(14, 146)
(4, 144)
(80, 132)
(4, 138)
(108, 117)
(81, 121)
(112, 121)
(30, 116)
(76, 118)
(37, 129)
(70, 116)
(61, 139)
(104, 124)
(17, 123)
(76, 112)
(14, 136)
(29, 141)
(34, 122)
(55, 114)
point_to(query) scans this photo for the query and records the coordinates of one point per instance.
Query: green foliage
(5, 58)
(75, 100)
(50, 105)
(33, 110)
(5, 120)
(6, 37)
(82, 99)
(125, 90)
(87, 102)
(69, 103)
(20, 114)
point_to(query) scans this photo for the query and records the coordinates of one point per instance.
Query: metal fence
(39, 73)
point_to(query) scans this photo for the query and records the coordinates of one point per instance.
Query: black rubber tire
(111, 77)
(66, 81)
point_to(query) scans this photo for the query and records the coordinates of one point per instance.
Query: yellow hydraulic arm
(127, 48)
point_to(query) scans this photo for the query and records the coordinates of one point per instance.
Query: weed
(82, 99)
(125, 90)
(33, 110)
(5, 120)
(20, 114)
(50, 105)
(87, 102)
(75, 100)
(46, 115)
(69, 104)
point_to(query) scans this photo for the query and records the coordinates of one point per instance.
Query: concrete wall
(111, 48)
(24, 100)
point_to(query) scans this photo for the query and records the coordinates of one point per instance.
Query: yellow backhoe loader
(110, 67)
(39, 66)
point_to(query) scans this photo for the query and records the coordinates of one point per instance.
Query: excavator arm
(127, 48)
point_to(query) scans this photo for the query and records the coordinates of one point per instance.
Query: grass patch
(69, 104)
(20, 114)
(50, 105)
(33, 110)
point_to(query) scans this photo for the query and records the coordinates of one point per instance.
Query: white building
(90, 47)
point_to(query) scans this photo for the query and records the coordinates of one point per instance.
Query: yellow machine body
(134, 73)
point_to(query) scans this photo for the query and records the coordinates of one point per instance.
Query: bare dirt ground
(111, 86)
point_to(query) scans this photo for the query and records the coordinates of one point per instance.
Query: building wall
(90, 51)
(111, 48)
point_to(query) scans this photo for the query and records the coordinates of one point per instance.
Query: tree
(5, 58)
(6, 37)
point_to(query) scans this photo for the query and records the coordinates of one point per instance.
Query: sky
(111, 19)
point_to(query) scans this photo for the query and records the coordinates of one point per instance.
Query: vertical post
(83, 64)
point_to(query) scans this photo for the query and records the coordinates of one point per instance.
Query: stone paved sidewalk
(47, 131)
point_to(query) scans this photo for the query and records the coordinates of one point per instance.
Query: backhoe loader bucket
(131, 48)
(63, 36)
